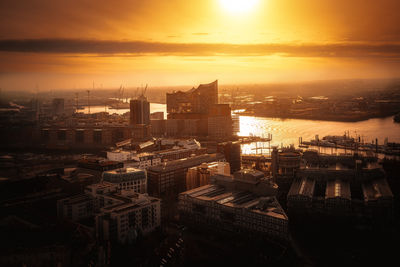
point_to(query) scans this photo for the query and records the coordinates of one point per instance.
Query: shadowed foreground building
(243, 203)
(120, 215)
(128, 179)
(123, 222)
(364, 193)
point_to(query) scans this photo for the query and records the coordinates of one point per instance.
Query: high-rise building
(140, 118)
(232, 152)
(140, 111)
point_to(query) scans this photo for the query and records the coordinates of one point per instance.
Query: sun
(238, 6)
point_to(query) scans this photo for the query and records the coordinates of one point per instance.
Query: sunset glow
(177, 42)
(238, 6)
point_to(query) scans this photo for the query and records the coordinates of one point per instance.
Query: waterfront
(287, 131)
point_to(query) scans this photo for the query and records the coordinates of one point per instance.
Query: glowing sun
(238, 6)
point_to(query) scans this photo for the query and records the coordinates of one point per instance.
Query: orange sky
(68, 44)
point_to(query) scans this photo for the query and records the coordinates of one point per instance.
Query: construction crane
(144, 91)
(76, 101)
(88, 99)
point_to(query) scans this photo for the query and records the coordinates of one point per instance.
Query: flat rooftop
(238, 199)
(304, 186)
(338, 189)
(185, 163)
(376, 189)
(124, 170)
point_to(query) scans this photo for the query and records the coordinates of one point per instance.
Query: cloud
(136, 48)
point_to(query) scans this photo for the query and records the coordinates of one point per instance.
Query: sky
(69, 44)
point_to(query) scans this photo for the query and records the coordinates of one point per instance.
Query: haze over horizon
(70, 44)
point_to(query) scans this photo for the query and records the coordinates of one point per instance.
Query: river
(287, 131)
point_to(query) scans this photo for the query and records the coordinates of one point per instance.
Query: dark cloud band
(107, 47)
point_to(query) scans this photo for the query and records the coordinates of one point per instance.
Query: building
(157, 115)
(197, 100)
(220, 125)
(128, 179)
(200, 175)
(145, 160)
(85, 205)
(141, 132)
(378, 198)
(58, 106)
(121, 215)
(188, 112)
(139, 111)
(232, 152)
(361, 194)
(77, 207)
(169, 178)
(338, 197)
(285, 162)
(99, 165)
(137, 215)
(81, 136)
(158, 127)
(140, 118)
(119, 155)
(236, 204)
(300, 196)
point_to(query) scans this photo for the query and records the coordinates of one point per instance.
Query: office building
(140, 118)
(169, 178)
(200, 175)
(123, 222)
(120, 215)
(232, 152)
(128, 179)
(139, 111)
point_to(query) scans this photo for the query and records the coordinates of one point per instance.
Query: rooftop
(338, 189)
(238, 199)
(185, 163)
(124, 170)
(304, 186)
(376, 189)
